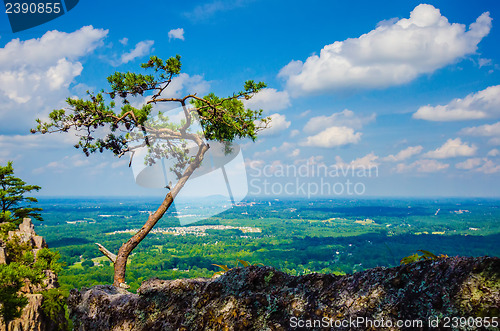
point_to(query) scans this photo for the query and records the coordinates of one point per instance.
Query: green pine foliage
(14, 205)
(47, 259)
(223, 119)
(54, 302)
(12, 278)
(21, 266)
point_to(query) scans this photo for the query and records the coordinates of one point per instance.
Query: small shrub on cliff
(54, 302)
(48, 260)
(225, 268)
(417, 257)
(12, 278)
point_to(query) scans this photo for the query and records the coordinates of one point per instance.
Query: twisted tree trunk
(127, 248)
(120, 260)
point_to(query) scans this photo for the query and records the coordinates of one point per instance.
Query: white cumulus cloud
(274, 151)
(484, 62)
(269, 99)
(368, 161)
(277, 125)
(141, 49)
(424, 166)
(404, 154)
(452, 148)
(482, 104)
(333, 137)
(394, 53)
(483, 165)
(489, 167)
(344, 118)
(176, 34)
(53, 45)
(487, 130)
(35, 74)
(494, 152)
(469, 163)
(186, 84)
(305, 113)
(295, 153)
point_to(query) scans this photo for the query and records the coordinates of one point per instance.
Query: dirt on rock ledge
(263, 298)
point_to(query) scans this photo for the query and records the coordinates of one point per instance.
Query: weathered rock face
(262, 298)
(26, 234)
(3, 257)
(32, 318)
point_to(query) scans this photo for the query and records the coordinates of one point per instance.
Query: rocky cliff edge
(263, 298)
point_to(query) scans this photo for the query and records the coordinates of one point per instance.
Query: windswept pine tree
(107, 121)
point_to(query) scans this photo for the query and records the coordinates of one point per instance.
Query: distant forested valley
(296, 236)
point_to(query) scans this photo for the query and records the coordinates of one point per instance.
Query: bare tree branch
(107, 253)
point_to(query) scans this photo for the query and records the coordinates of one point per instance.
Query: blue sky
(408, 90)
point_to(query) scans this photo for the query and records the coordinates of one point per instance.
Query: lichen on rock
(263, 298)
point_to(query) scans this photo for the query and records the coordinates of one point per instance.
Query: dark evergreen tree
(14, 204)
